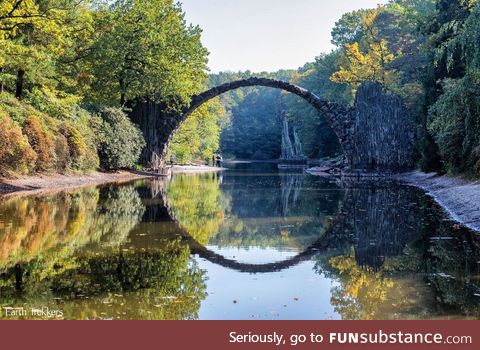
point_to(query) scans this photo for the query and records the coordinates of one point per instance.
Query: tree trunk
(121, 82)
(19, 84)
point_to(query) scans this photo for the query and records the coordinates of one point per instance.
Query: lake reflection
(250, 243)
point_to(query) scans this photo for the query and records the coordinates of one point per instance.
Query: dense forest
(69, 68)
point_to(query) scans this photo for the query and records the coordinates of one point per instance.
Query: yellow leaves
(368, 288)
(13, 12)
(368, 59)
(369, 19)
(371, 65)
(16, 154)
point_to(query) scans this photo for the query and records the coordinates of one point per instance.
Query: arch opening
(338, 117)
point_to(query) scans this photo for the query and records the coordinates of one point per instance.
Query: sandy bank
(459, 197)
(43, 183)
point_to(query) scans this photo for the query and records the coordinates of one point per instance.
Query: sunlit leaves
(370, 65)
(146, 50)
(367, 59)
(198, 138)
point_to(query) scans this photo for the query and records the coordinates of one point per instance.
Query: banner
(252, 335)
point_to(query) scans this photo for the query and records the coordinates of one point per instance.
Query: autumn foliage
(367, 59)
(16, 154)
(32, 141)
(41, 144)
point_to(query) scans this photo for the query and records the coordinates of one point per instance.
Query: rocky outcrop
(383, 136)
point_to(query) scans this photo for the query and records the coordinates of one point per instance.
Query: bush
(16, 155)
(63, 160)
(17, 110)
(63, 139)
(41, 144)
(119, 142)
(82, 156)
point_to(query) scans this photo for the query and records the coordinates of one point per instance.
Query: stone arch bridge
(375, 134)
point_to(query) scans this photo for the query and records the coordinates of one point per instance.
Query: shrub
(77, 147)
(41, 144)
(16, 155)
(15, 109)
(119, 142)
(81, 155)
(63, 139)
(62, 154)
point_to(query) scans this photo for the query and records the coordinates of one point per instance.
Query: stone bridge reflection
(377, 221)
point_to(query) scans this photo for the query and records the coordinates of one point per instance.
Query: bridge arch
(340, 118)
(323, 244)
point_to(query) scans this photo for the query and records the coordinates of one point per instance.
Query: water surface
(249, 243)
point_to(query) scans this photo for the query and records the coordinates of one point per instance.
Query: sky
(267, 35)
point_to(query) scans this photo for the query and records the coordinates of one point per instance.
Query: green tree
(35, 36)
(146, 50)
(454, 116)
(198, 138)
(316, 135)
(253, 117)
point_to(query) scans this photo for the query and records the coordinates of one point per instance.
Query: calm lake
(250, 243)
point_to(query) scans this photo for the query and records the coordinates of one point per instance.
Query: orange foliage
(40, 143)
(16, 154)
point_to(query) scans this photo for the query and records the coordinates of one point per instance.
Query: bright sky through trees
(267, 35)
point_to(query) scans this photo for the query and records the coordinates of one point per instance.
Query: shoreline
(56, 182)
(41, 183)
(460, 198)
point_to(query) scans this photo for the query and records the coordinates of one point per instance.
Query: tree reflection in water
(198, 204)
(403, 260)
(286, 212)
(82, 261)
(117, 252)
